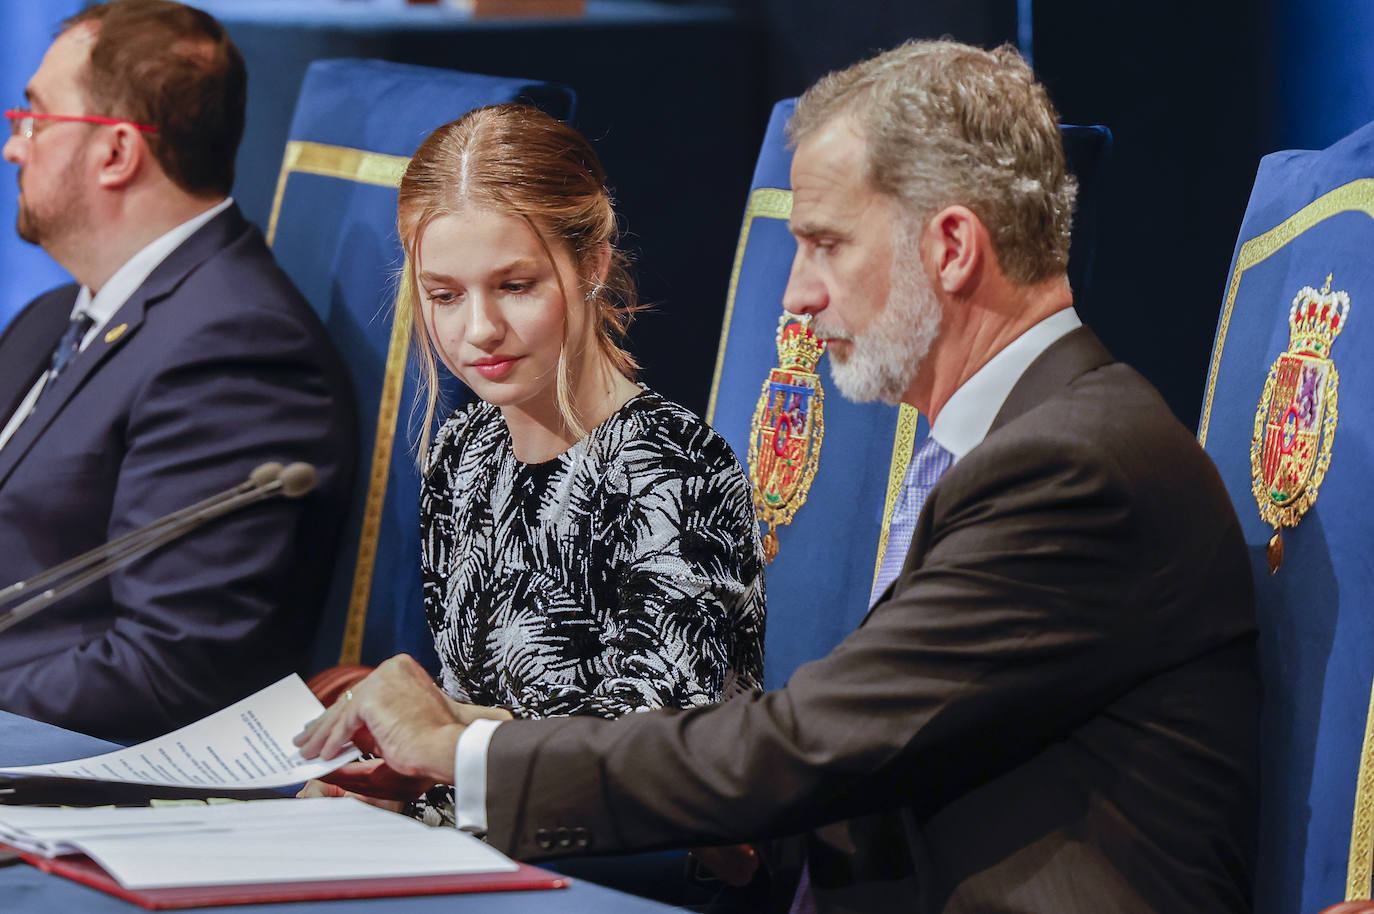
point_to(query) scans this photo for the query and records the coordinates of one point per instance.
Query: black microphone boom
(267, 480)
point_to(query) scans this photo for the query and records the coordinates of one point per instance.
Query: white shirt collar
(102, 305)
(967, 415)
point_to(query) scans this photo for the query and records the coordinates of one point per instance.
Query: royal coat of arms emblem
(1295, 424)
(785, 437)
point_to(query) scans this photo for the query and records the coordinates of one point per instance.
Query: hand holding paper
(373, 781)
(398, 709)
(246, 746)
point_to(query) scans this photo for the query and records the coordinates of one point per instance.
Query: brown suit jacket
(1054, 708)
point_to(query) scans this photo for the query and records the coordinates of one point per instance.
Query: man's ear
(122, 153)
(956, 240)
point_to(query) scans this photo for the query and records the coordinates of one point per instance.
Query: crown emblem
(1316, 319)
(1295, 424)
(798, 348)
(785, 436)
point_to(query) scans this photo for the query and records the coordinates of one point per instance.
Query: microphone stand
(266, 481)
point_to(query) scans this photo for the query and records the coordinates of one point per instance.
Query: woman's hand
(321, 789)
(400, 712)
(374, 779)
(466, 714)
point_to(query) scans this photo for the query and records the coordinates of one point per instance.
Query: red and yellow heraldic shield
(785, 437)
(1292, 426)
(1295, 424)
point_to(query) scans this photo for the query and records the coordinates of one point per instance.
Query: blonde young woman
(587, 546)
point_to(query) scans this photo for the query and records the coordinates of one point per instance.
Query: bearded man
(1053, 705)
(180, 359)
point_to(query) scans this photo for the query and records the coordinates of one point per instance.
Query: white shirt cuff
(470, 775)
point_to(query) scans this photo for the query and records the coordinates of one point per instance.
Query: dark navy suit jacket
(213, 366)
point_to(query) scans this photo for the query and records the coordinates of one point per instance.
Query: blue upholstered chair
(819, 583)
(333, 228)
(1311, 215)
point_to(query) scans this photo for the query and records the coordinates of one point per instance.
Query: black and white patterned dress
(622, 575)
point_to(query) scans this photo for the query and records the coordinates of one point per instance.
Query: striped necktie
(69, 345)
(926, 467)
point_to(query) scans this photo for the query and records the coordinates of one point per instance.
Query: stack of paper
(259, 841)
(246, 746)
(273, 850)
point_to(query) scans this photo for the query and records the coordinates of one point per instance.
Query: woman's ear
(599, 264)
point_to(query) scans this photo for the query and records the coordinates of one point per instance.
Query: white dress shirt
(961, 426)
(102, 305)
(964, 422)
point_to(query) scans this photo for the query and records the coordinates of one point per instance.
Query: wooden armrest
(329, 685)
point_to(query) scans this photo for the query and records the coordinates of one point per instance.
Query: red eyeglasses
(21, 121)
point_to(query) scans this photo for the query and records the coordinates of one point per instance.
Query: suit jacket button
(581, 838)
(543, 838)
(564, 838)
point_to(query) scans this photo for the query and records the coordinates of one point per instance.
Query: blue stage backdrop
(1322, 72)
(25, 30)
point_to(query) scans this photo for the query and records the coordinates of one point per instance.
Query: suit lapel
(120, 328)
(1067, 358)
(27, 344)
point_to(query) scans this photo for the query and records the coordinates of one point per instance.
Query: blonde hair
(946, 123)
(516, 159)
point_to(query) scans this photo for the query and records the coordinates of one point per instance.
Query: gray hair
(947, 123)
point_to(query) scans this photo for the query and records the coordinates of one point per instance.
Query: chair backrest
(819, 583)
(333, 229)
(1311, 215)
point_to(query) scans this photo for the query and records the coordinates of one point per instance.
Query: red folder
(86, 871)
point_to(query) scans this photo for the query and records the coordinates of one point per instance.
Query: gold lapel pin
(115, 333)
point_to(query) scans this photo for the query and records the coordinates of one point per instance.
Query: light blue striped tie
(926, 467)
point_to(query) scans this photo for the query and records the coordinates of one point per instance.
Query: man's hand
(401, 713)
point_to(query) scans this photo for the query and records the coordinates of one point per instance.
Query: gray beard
(888, 352)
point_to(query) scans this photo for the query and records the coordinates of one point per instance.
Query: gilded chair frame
(382, 170)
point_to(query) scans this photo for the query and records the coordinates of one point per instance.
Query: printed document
(246, 746)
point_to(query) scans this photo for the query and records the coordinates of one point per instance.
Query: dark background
(676, 95)
(1187, 89)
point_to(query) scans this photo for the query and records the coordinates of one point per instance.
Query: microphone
(296, 479)
(260, 476)
(267, 480)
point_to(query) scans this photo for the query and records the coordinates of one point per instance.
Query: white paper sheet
(259, 841)
(246, 746)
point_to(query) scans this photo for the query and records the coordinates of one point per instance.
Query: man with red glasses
(180, 359)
